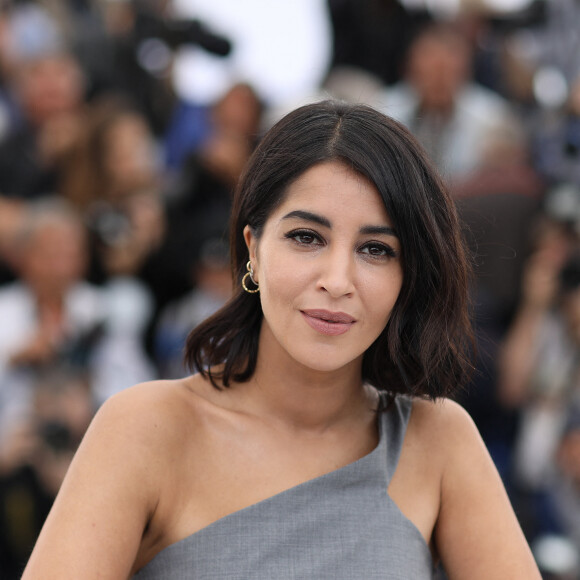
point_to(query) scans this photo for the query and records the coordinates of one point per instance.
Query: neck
(49, 301)
(438, 112)
(304, 399)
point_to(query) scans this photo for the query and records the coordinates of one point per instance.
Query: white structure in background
(451, 7)
(282, 48)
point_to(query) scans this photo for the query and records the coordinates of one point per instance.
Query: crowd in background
(115, 192)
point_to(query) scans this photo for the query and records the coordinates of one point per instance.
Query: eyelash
(316, 240)
(296, 234)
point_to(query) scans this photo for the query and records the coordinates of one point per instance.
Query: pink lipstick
(329, 323)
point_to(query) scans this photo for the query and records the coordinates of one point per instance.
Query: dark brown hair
(425, 346)
(84, 177)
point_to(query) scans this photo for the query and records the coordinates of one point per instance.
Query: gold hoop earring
(250, 274)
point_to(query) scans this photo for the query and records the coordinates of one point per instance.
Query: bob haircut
(424, 349)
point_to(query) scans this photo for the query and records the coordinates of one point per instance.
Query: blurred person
(114, 156)
(49, 90)
(235, 128)
(203, 192)
(538, 369)
(8, 114)
(50, 314)
(557, 548)
(211, 288)
(41, 448)
(121, 55)
(481, 148)
(453, 117)
(11, 210)
(12, 213)
(47, 305)
(545, 285)
(566, 487)
(199, 203)
(373, 36)
(551, 43)
(497, 204)
(556, 144)
(542, 67)
(219, 133)
(212, 169)
(114, 176)
(352, 84)
(63, 395)
(497, 201)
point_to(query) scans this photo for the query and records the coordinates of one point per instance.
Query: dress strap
(394, 420)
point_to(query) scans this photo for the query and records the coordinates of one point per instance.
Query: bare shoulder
(138, 432)
(153, 412)
(152, 396)
(477, 534)
(127, 462)
(441, 413)
(433, 423)
(440, 435)
(141, 434)
(446, 437)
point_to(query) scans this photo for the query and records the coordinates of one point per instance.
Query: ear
(252, 244)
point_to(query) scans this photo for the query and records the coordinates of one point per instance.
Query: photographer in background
(539, 368)
(41, 450)
(47, 84)
(51, 315)
(557, 141)
(113, 176)
(130, 50)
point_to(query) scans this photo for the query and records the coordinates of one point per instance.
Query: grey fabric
(340, 526)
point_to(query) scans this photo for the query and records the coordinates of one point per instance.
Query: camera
(177, 32)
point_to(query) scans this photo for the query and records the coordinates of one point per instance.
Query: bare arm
(477, 533)
(96, 524)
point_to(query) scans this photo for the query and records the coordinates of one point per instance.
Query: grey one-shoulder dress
(340, 526)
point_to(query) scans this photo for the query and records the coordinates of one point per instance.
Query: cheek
(381, 296)
(280, 282)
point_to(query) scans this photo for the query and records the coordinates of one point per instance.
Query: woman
(309, 444)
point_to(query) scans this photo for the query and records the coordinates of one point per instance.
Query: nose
(337, 273)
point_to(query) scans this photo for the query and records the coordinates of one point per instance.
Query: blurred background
(124, 126)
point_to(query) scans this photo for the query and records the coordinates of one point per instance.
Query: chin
(321, 362)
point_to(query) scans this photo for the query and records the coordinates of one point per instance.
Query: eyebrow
(309, 217)
(378, 230)
(322, 221)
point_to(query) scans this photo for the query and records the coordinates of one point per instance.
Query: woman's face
(129, 155)
(54, 258)
(329, 267)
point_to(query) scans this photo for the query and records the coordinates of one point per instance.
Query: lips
(328, 323)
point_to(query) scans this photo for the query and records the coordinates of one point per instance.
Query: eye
(305, 237)
(378, 250)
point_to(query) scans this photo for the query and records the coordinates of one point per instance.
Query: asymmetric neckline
(328, 508)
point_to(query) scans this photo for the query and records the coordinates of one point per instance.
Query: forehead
(334, 188)
(50, 232)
